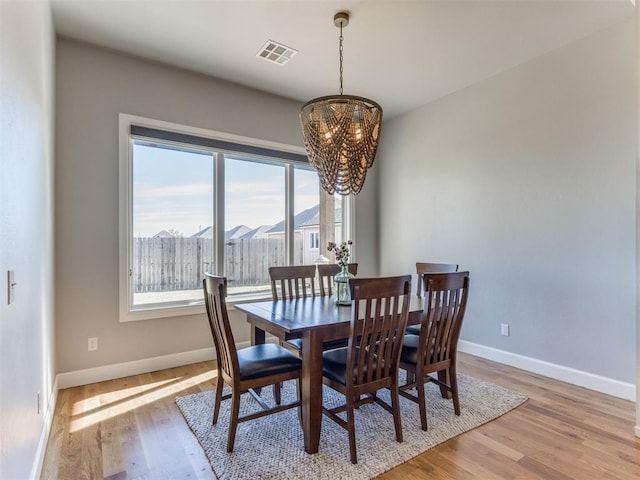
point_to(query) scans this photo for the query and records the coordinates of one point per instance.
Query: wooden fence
(161, 264)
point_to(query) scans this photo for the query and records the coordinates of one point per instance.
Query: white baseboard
(136, 367)
(598, 383)
(125, 369)
(47, 422)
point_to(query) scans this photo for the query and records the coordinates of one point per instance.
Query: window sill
(247, 298)
(164, 311)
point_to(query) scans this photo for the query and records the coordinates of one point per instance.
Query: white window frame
(126, 313)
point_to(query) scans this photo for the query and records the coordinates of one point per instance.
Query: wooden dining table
(315, 320)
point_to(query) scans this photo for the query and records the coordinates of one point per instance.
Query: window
(314, 240)
(195, 201)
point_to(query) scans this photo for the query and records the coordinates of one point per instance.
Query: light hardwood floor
(131, 428)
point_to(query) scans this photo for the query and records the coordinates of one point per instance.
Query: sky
(173, 190)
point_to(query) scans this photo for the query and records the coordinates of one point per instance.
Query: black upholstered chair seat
(409, 352)
(266, 360)
(413, 330)
(330, 345)
(334, 364)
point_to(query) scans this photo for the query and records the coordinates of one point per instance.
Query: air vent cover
(275, 52)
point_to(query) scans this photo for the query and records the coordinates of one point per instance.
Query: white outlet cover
(11, 286)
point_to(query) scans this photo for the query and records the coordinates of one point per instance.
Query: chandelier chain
(341, 38)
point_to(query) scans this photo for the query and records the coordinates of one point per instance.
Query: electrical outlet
(504, 329)
(93, 344)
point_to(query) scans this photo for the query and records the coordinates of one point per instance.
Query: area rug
(272, 447)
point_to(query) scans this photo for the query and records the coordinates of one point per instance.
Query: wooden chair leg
(218, 399)
(277, 392)
(233, 421)
(395, 407)
(422, 400)
(444, 377)
(351, 424)
(453, 378)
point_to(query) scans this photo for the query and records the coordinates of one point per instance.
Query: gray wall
(527, 180)
(93, 87)
(26, 233)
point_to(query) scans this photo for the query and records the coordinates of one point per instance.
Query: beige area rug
(272, 447)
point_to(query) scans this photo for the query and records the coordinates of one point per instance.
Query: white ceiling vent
(275, 52)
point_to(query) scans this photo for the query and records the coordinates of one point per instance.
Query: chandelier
(341, 134)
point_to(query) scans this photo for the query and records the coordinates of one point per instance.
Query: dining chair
(296, 281)
(246, 369)
(293, 282)
(435, 349)
(327, 271)
(423, 268)
(370, 361)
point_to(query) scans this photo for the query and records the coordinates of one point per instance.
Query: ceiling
(402, 54)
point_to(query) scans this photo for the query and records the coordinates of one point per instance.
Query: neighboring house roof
(206, 232)
(307, 218)
(162, 234)
(298, 220)
(235, 232)
(256, 232)
(315, 220)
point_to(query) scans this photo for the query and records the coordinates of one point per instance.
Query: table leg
(257, 335)
(257, 338)
(311, 390)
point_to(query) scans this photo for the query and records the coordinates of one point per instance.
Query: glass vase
(342, 293)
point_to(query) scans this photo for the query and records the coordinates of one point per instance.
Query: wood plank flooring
(131, 429)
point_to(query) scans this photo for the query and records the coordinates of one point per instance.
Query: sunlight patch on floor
(102, 407)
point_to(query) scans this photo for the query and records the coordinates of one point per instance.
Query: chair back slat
(215, 290)
(387, 332)
(378, 321)
(292, 282)
(446, 300)
(326, 272)
(425, 267)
